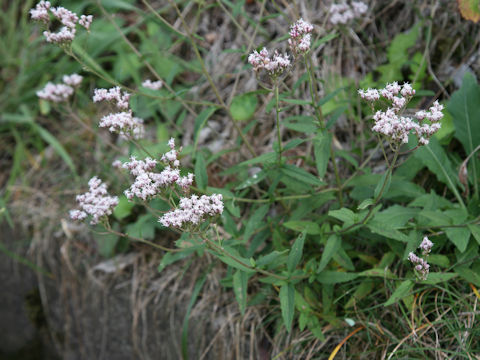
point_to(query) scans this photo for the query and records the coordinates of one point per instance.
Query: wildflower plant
(303, 222)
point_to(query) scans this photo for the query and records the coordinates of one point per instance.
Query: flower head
(96, 202)
(392, 124)
(300, 37)
(274, 65)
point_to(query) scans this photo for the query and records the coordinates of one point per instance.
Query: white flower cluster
(300, 37)
(343, 13)
(421, 265)
(123, 122)
(148, 183)
(96, 202)
(397, 127)
(60, 92)
(67, 18)
(193, 210)
(153, 85)
(274, 65)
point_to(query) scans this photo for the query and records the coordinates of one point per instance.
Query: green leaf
(193, 298)
(240, 284)
(172, 257)
(331, 247)
(335, 277)
(201, 176)
(106, 242)
(321, 149)
(200, 122)
(458, 236)
(365, 203)
(269, 258)
(436, 277)
(403, 290)
(383, 185)
(475, 230)
(264, 158)
(343, 214)
(143, 227)
(309, 227)
(287, 304)
(387, 231)
(123, 209)
(300, 123)
(56, 145)
(300, 175)
(468, 275)
(255, 220)
(395, 216)
(465, 110)
(243, 106)
(296, 252)
(435, 158)
(254, 179)
(365, 288)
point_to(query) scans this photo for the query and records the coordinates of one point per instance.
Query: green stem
(136, 239)
(277, 123)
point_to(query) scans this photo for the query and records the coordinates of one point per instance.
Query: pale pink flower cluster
(114, 95)
(300, 37)
(123, 122)
(60, 92)
(153, 85)
(96, 202)
(395, 126)
(67, 18)
(148, 183)
(193, 210)
(86, 21)
(274, 65)
(421, 264)
(343, 13)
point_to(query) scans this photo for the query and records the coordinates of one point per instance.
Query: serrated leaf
(240, 283)
(403, 290)
(309, 227)
(287, 304)
(332, 246)
(243, 106)
(296, 252)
